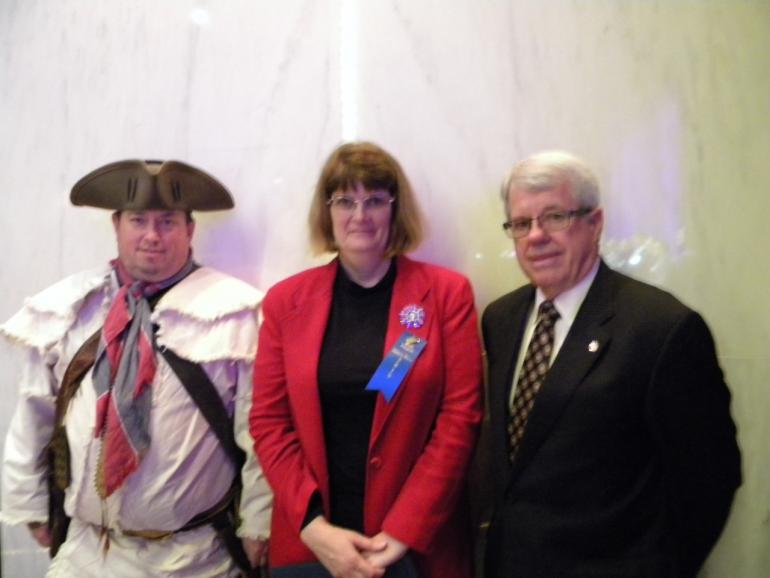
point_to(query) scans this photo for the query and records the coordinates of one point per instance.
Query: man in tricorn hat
(134, 395)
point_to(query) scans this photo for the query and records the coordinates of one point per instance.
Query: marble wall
(668, 99)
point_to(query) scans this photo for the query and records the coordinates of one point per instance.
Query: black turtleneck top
(352, 349)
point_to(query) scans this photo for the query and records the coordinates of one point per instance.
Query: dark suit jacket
(629, 462)
(421, 441)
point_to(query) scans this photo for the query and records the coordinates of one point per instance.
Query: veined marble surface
(669, 100)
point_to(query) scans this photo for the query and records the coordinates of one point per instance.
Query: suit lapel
(305, 327)
(411, 287)
(506, 340)
(585, 344)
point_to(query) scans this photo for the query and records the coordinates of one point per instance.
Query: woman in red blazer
(360, 480)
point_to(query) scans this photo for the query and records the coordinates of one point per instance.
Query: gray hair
(547, 170)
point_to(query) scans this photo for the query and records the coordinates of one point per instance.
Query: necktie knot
(547, 313)
(138, 289)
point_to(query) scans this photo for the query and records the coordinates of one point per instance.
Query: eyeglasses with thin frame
(348, 204)
(550, 221)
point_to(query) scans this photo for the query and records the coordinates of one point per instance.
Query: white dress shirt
(567, 304)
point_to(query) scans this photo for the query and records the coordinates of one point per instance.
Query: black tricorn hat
(136, 185)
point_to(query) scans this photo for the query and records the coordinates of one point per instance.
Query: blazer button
(376, 462)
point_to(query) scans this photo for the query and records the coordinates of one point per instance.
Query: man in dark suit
(612, 445)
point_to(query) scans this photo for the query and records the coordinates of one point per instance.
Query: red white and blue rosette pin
(412, 316)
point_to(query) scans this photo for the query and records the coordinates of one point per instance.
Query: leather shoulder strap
(80, 363)
(192, 376)
(206, 397)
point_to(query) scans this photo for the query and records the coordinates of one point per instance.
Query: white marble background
(668, 99)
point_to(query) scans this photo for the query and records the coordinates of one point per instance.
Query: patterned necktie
(532, 374)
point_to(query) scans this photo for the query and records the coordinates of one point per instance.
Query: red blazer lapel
(304, 328)
(410, 288)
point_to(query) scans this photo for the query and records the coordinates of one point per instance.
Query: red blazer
(421, 441)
